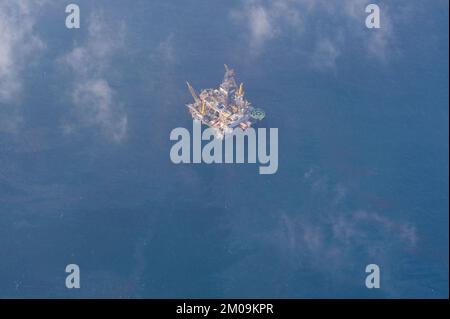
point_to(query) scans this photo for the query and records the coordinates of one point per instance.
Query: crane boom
(191, 89)
(241, 89)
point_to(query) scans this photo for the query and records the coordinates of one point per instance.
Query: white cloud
(263, 21)
(325, 54)
(325, 233)
(332, 24)
(260, 27)
(19, 44)
(349, 228)
(165, 51)
(96, 102)
(381, 42)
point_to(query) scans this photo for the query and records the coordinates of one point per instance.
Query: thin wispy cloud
(332, 24)
(96, 102)
(165, 52)
(261, 27)
(264, 21)
(317, 239)
(325, 54)
(19, 45)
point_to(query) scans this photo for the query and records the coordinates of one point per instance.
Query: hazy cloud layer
(330, 23)
(19, 45)
(96, 102)
(315, 239)
(165, 52)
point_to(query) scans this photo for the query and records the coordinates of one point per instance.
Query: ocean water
(363, 154)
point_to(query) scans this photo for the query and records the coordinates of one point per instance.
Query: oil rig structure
(224, 108)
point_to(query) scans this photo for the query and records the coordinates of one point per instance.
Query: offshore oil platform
(224, 108)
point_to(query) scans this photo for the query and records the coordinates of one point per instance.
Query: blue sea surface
(363, 155)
